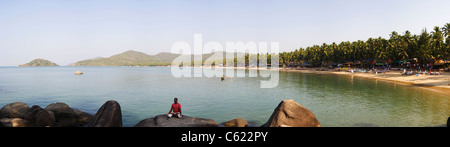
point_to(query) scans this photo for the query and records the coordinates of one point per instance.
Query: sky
(67, 31)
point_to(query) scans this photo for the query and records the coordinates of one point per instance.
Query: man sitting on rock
(176, 107)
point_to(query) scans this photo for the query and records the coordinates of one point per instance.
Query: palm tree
(446, 30)
(393, 46)
(408, 45)
(423, 44)
(398, 47)
(437, 43)
(381, 49)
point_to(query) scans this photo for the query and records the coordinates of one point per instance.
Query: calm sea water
(144, 92)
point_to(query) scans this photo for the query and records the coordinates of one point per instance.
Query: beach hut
(439, 65)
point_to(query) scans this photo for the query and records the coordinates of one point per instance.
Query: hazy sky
(66, 31)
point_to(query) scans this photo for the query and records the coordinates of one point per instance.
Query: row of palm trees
(425, 47)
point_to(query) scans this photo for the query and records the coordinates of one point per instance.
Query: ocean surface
(144, 92)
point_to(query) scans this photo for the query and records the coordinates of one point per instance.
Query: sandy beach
(438, 83)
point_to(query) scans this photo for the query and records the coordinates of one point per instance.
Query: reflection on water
(148, 91)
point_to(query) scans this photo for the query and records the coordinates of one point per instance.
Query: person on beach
(176, 108)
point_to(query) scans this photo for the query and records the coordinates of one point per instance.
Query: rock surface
(238, 122)
(287, 114)
(13, 122)
(68, 117)
(290, 113)
(109, 115)
(186, 121)
(14, 110)
(78, 72)
(39, 117)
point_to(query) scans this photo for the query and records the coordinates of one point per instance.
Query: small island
(39, 62)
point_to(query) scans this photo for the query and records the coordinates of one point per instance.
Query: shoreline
(436, 83)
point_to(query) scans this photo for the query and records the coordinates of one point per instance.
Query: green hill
(135, 58)
(39, 62)
(130, 58)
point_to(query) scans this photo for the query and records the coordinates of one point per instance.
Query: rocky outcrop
(78, 72)
(68, 117)
(287, 114)
(291, 114)
(148, 122)
(14, 110)
(13, 122)
(238, 122)
(185, 121)
(19, 114)
(109, 115)
(39, 117)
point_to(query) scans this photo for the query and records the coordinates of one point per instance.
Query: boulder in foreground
(186, 121)
(39, 117)
(14, 110)
(68, 117)
(238, 122)
(291, 114)
(109, 115)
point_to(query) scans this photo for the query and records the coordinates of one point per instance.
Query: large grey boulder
(291, 114)
(68, 117)
(109, 115)
(185, 121)
(39, 117)
(14, 110)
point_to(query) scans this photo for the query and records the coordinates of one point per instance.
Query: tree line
(426, 47)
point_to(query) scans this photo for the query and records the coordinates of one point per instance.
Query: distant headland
(39, 62)
(130, 58)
